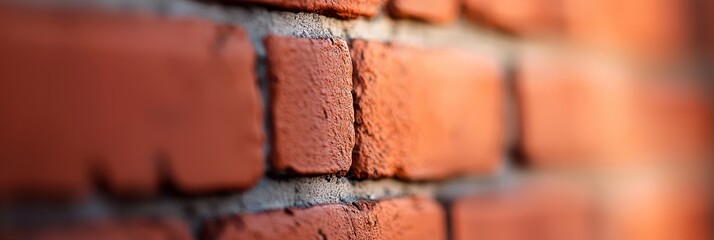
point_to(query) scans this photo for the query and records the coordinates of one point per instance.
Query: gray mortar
(272, 193)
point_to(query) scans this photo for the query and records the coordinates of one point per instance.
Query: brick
(434, 11)
(425, 113)
(155, 229)
(547, 211)
(311, 92)
(573, 113)
(655, 207)
(336, 8)
(649, 28)
(402, 218)
(593, 113)
(176, 101)
(529, 17)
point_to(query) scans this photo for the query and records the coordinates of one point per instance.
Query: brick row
(650, 207)
(94, 107)
(177, 101)
(401, 218)
(652, 28)
(146, 229)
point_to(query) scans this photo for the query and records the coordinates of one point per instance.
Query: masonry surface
(350, 119)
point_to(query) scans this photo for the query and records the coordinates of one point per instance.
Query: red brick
(580, 113)
(178, 99)
(572, 113)
(162, 229)
(402, 218)
(651, 28)
(524, 17)
(533, 211)
(435, 11)
(425, 113)
(311, 92)
(336, 8)
(657, 207)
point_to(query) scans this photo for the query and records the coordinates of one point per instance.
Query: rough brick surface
(533, 211)
(162, 229)
(403, 218)
(652, 28)
(337, 8)
(311, 92)
(178, 100)
(435, 11)
(424, 113)
(525, 17)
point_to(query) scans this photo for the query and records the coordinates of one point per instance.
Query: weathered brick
(402, 218)
(311, 92)
(79, 99)
(336, 8)
(435, 11)
(425, 113)
(156, 229)
(524, 17)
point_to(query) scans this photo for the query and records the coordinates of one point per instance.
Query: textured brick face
(436, 11)
(313, 117)
(424, 114)
(403, 218)
(337, 8)
(78, 97)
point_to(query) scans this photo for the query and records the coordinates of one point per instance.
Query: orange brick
(534, 210)
(163, 229)
(435, 11)
(402, 218)
(524, 17)
(650, 28)
(425, 113)
(588, 113)
(337, 8)
(81, 99)
(311, 92)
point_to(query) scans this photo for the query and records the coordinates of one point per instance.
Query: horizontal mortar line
(268, 194)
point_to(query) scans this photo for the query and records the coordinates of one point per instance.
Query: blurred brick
(336, 8)
(425, 113)
(79, 99)
(311, 91)
(650, 28)
(573, 113)
(676, 117)
(434, 11)
(401, 218)
(587, 113)
(163, 229)
(523, 17)
(654, 207)
(544, 211)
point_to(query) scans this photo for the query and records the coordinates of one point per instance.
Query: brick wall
(355, 119)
